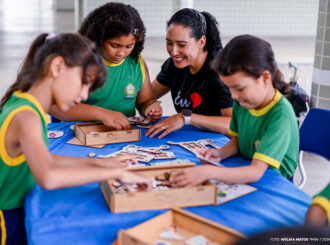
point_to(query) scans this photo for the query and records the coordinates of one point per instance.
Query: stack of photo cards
(140, 121)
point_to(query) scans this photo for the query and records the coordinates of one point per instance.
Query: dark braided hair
(113, 20)
(200, 23)
(251, 55)
(75, 49)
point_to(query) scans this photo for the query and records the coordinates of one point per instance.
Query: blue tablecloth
(80, 215)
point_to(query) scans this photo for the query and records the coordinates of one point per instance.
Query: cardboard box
(97, 134)
(158, 199)
(189, 225)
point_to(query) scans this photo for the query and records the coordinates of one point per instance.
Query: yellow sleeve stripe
(34, 101)
(3, 228)
(263, 111)
(269, 160)
(142, 67)
(12, 162)
(233, 133)
(324, 203)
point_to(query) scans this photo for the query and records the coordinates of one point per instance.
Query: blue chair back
(315, 133)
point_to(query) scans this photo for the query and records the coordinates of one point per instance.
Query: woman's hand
(191, 176)
(166, 126)
(155, 114)
(115, 119)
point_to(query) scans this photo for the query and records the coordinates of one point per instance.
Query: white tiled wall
(257, 17)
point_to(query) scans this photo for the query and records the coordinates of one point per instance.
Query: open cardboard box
(90, 134)
(159, 199)
(189, 225)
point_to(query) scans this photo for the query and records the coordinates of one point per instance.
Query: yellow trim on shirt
(3, 228)
(33, 100)
(12, 162)
(231, 132)
(142, 68)
(108, 63)
(269, 160)
(263, 111)
(324, 203)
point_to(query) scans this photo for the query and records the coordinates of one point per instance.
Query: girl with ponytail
(263, 125)
(58, 70)
(199, 97)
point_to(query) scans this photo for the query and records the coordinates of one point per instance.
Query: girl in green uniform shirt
(119, 33)
(263, 125)
(57, 70)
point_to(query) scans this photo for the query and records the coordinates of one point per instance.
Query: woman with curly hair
(119, 33)
(199, 97)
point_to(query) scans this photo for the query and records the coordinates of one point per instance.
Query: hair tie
(50, 36)
(135, 31)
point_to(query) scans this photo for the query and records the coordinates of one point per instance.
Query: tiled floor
(21, 21)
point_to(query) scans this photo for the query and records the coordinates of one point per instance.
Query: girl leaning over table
(57, 70)
(118, 32)
(263, 125)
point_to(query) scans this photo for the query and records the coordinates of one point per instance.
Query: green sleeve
(275, 142)
(233, 130)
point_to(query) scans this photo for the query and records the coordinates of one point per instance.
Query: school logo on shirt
(130, 91)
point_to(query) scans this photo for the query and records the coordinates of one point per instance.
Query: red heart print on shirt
(196, 99)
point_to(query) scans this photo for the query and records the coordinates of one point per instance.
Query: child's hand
(212, 154)
(191, 176)
(121, 161)
(115, 119)
(155, 114)
(166, 126)
(127, 178)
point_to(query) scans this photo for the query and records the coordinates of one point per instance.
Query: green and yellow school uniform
(16, 179)
(323, 199)
(121, 88)
(270, 134)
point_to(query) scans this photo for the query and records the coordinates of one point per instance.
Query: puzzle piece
(140, 157)
(198, 240)
(53, 134)
(171, 233)
(192, 145)
(156, 152)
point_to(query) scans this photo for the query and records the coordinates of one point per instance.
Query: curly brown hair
(113, 20)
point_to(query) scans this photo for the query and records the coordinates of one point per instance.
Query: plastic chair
(314, 138)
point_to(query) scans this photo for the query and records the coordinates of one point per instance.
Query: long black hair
(200, 23)
(113, 20)
(75, 49)
(251, 55)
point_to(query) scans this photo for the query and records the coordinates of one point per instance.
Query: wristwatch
(187, 116)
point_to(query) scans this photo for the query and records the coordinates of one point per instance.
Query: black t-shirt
(203, 92)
